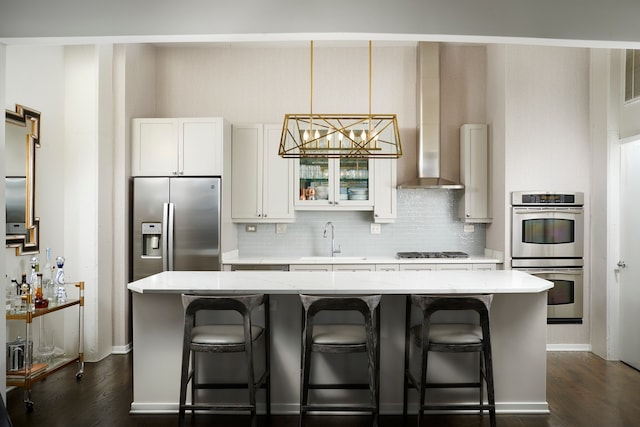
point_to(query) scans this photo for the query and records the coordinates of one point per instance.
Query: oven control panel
(537, 198)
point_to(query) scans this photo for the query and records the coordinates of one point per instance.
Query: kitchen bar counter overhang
(342, 282)
(518, 316)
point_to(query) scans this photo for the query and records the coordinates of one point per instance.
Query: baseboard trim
(501, 408)
(385, 409)
(568, 347)
(121, 349)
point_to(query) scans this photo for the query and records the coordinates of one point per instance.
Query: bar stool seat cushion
(450, 333)
(222, 334)
(339, 334)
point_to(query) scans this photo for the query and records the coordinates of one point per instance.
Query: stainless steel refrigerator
(175, 225)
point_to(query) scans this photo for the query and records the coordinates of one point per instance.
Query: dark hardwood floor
(582, 390)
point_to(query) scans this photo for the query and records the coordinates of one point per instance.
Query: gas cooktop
(432, 255)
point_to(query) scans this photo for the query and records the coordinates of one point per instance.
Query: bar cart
(32, 373)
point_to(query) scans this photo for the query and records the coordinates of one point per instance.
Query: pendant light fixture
(340, 135)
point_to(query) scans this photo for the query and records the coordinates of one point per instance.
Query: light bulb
(352, 135)
(317, 134)
(363, 135)
(305, 135)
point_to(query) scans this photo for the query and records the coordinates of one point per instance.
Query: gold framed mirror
(22, 137)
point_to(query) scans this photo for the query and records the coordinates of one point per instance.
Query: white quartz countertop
(341, 282)
(233, 258)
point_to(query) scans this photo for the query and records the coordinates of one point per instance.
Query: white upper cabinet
(386, 194)
(261, 181)
(473, 203)
(177, 147)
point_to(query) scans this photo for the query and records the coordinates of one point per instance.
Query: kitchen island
(518, 328)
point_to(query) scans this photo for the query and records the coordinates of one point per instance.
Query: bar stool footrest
(338, 386)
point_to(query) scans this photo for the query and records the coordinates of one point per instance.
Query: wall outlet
(281, 228)
(375, 228)
(468, 228)
(250, 228)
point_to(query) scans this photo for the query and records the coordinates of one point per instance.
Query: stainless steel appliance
(547, 225)
(451, 254)
(176, 224)
(565, 299)
(548, 242)
(17, 353)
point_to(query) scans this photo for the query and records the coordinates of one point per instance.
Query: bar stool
(341, 338)
(452, 338)
(224, 338)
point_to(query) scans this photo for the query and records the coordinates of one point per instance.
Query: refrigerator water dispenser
(151, 236)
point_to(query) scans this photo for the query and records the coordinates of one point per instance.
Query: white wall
(604, 106)
(41, 87)
(88, 177)
(541, 140)
(499, 231)
(134, 96)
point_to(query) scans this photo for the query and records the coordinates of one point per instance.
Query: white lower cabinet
(262, 182)
(434, 267)
(458, 267)
(310, 267)
(392, 267)
(330, 267)
(387, 267)
(354, 267)
(417, 267)
(484, 267)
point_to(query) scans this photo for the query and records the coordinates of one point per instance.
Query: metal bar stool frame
(428, 305)
(245, 305)
(369, 307)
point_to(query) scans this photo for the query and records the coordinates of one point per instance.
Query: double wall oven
(548, 241)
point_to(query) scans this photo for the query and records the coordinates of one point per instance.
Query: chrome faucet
(333, 241)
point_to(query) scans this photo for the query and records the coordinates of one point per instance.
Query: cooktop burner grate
(444, 254)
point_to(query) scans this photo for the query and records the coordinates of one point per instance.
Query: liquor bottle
(47, 277)
(26, 293)
(61, 292)
(35, 269)
(40, 301)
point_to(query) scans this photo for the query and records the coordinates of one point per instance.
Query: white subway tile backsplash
(427, 221)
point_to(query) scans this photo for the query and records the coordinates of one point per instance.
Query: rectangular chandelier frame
(340, 135)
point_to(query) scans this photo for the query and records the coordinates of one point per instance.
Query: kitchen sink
(329, 259)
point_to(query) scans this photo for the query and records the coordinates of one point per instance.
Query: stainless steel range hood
(428, 80)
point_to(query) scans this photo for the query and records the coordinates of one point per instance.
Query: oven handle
(551, 211)
(569, 272)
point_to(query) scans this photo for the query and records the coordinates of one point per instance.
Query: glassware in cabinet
(326, 183)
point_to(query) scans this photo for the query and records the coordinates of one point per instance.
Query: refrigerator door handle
(165, 236)
(170, 230)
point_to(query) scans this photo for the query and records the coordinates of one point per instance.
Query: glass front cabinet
(345, 184)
